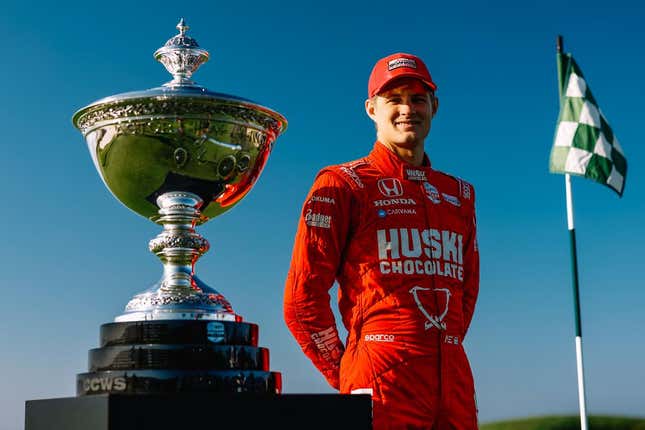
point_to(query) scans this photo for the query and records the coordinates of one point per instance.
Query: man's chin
(411, 138)
(409, 142)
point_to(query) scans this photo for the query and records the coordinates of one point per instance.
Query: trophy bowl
(179, 155)
(146, 143)
(179, 136)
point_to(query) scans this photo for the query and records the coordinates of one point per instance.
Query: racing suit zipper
(428, 213)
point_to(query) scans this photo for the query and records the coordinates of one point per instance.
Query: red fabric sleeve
(316, 258)
(471, 268)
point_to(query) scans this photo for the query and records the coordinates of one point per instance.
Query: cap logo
(401, 62)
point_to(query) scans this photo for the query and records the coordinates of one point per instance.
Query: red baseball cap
(396, 66)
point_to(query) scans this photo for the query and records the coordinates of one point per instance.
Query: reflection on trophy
(179, 155)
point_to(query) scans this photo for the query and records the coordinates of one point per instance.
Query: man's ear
(435, 105)
(370, 108)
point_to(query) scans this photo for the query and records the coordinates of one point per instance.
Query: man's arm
(471, 270)
(322, 231)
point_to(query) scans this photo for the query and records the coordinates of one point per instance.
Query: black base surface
(179, 332)
(201, 411)
(187, 357)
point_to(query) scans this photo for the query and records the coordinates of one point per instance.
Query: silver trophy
(178, 155)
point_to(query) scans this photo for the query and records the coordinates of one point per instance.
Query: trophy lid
(181, 55)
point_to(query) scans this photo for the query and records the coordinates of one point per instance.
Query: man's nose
(406, 106)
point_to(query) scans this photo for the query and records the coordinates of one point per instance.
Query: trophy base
(178, 356)
(201, 411)
(179, 332)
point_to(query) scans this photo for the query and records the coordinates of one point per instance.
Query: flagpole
(574, 271)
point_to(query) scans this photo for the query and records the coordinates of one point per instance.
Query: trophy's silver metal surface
(179, 155)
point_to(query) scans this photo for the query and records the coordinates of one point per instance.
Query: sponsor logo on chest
(390, 187)
(382, 213)
(431, 192)
(451, 199)
(412, 251)
(394, 202)
(416, 174)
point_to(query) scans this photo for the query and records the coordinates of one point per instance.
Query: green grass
(567, 423)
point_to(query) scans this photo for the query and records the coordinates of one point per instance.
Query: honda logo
(390, 187)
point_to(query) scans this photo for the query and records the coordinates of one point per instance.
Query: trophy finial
(181, 56)
(182, 27)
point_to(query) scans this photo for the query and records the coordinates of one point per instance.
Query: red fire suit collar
(392, 165)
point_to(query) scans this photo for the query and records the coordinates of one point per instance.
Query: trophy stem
(179, 294)
(179, 246)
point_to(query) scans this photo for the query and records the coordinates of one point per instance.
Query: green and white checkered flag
(584, 144)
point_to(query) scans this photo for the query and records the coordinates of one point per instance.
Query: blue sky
(73, 255)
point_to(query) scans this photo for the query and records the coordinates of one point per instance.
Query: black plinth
(201, 411)
(178, 356)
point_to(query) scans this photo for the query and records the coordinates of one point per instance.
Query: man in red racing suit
(399, 237)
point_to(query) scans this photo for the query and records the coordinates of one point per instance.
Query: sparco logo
(106, 383)
(390, 187)
(390, 202)
(379, 338)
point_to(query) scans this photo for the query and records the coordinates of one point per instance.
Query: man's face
(402, 113)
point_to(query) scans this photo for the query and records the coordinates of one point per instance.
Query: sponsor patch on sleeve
(327, 343)
(315, 219)
(321, 199)
(464, 189)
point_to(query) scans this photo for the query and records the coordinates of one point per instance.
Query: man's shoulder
(456, 186)
(351, 172)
